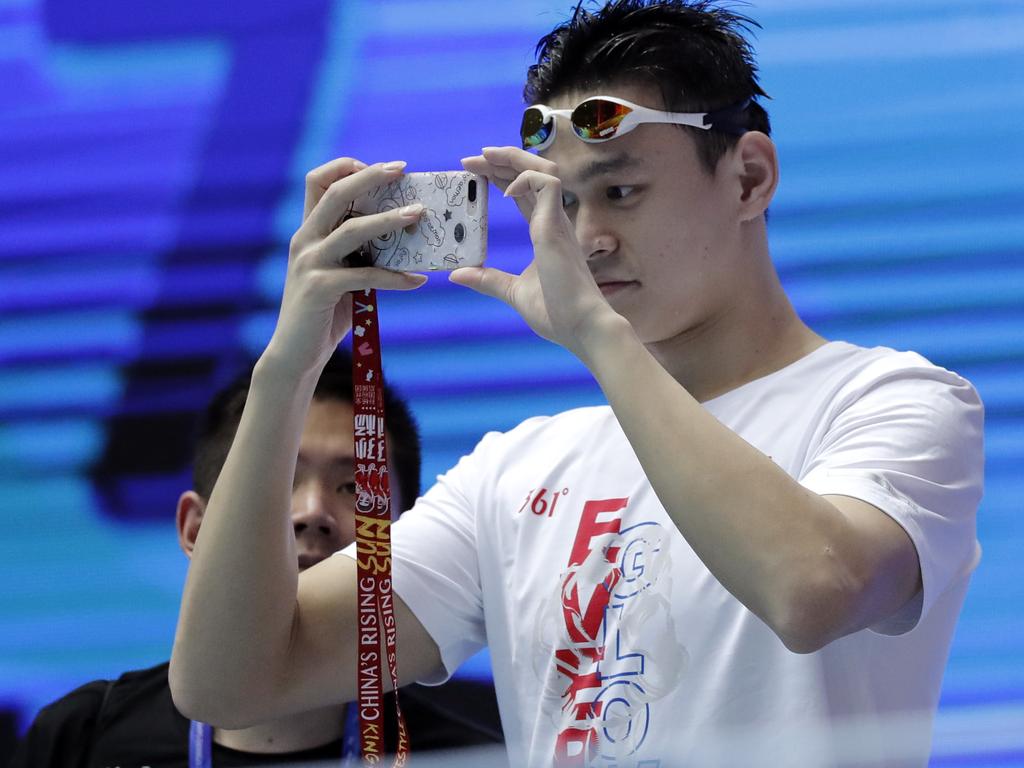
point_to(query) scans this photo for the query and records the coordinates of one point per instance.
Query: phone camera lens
(472, 191)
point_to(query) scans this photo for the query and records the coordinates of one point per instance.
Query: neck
(305, 730)
(743, 342)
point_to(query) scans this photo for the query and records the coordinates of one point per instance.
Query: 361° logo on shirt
(542, 501)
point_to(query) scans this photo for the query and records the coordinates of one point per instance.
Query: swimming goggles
(601, 118)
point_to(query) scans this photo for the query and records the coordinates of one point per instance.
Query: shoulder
(149, 676)
(536, 440)
(478, 475)
(83, 703)
(841, 379)
(138, 684)
(102, 698)
(861, 369)
(567, 425)
(97, 698)
(139, 723)
(902, 388)
(913, 428)
(62, 731)
(112, 720)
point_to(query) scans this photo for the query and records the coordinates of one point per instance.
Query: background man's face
(324, 490)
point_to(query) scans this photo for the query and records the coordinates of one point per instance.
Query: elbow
(814, 613)
(183, 692)
(800, 640)
(191, 698)
(202, 699)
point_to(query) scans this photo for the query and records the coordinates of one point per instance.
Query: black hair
(692, 51)
(220, 422)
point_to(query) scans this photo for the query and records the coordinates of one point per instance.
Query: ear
(191, 507)
(756, 165)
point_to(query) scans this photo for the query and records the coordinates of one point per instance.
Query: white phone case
(452, 232)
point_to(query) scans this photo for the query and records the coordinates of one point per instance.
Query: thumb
(486, 280)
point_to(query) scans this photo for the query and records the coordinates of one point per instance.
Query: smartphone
(451, 233)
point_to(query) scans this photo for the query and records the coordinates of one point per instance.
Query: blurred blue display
(151, 174)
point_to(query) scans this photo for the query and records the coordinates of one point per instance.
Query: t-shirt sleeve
(909, 441)
(62, 733)
(435, 565)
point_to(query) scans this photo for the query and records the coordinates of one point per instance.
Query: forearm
(776, 546)
(241, 652)
(239, 600)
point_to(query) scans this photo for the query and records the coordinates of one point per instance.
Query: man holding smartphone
(759, 548)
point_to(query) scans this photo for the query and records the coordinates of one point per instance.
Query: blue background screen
(151, 174)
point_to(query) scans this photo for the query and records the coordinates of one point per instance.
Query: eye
(618, 192)
(348, 488)
(568, 199)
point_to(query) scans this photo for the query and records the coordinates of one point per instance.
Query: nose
(593, 234)
(311, 514)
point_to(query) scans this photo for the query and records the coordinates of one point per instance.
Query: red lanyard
(373, 535)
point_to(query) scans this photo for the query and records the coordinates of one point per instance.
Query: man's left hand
(556, 293)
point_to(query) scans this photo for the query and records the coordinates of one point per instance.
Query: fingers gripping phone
(451, 233)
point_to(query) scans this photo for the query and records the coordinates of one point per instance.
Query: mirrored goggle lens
(534, 130)
(596, 119)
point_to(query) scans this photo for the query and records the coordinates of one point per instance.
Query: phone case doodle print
(451, 233)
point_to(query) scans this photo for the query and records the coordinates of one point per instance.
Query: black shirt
(132, 723)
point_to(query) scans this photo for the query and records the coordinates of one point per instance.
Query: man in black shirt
(131, 722)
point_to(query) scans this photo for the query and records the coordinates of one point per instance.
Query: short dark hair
(220, 422)
(692, 51)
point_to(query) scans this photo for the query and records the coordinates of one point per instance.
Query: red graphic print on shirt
(608, 691)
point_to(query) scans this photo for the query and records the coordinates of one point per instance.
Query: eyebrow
(602, 167)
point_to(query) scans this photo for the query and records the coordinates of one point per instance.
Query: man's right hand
(316, 307)
(254, 641)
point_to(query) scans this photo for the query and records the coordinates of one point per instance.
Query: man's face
(323, 493)
(657, 229)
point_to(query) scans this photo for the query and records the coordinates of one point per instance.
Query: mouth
(307, 560)
(611, 287)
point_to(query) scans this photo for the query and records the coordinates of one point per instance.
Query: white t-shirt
(611, 642)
